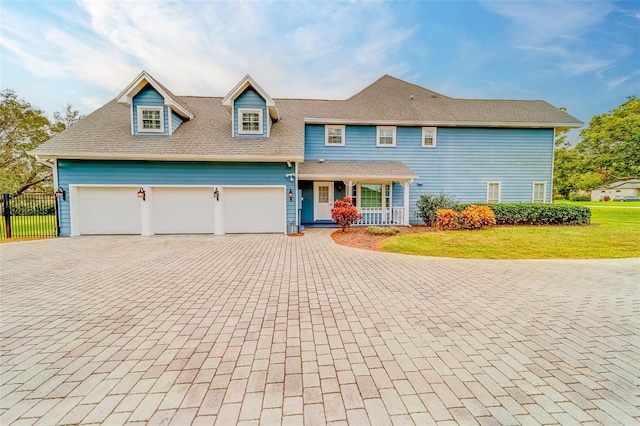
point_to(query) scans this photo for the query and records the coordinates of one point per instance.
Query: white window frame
(357, 188)
(393, 135)
(544, 192)
(499, 191)
(328, 128)
(434, 133)
(141, 128)
(258, 111)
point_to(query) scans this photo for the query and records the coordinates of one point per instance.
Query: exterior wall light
(216, 194)
(290, 195)
(142, 194)
(61, 193)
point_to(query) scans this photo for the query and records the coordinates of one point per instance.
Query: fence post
(6, 213)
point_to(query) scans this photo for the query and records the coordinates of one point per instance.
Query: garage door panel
(183, 210)
(254, 210)
(109, 210)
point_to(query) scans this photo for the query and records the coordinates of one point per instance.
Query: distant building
(616, 190)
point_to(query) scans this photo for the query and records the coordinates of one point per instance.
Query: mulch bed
(359, 238)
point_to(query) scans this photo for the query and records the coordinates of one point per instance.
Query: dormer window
(250, 121)
(150, 119)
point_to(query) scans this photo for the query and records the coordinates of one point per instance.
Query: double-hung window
(429, 137)
(386, 136)
(493, 192)
(334, 135)
(150, 119)
(250, 121)
(539, 192)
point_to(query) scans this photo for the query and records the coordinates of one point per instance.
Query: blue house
(150, 162)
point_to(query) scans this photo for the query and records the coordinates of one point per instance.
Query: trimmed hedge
(20, 208)
(536, 214)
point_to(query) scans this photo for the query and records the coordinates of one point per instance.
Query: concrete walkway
(272, 329)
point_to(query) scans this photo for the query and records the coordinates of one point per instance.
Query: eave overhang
(420, 123)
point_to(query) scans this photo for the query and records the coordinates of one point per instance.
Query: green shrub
(382, 230)
(27, 208)
(537, 214)
(428, 204)
(579, 197)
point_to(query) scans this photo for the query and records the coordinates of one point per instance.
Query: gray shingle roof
(355, 170)
(106, 133)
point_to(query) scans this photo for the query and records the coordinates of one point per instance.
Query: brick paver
(269, 329)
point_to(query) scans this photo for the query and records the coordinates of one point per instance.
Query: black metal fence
(29, 216)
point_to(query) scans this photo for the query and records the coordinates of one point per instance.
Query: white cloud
(92, 102)
(205, 48)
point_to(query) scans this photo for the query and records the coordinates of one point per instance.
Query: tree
(23, 128)
(610, 146)
(609, 150)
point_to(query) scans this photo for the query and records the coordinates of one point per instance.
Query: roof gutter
(354, 177)
(541, 125)
(163, 157)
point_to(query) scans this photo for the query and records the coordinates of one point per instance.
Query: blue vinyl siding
(464, 160)
(252, 100)
(141, 173)
(148, 96)
(176, 121)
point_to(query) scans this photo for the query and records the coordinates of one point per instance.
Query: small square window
(386, 136)
(429, 137)
(250, 121)
(334, 135)
(150, 119)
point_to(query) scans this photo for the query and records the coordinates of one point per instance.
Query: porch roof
(355, 170)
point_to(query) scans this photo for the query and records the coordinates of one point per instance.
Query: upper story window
(150, 119)
(429, 137)
(493, 192)
(334, 135)
(250, 121)
(386, 136)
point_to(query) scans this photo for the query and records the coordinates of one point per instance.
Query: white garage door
(183, 210)
(108, 210)
(254, 210)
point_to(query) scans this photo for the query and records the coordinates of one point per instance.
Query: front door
(322, 200)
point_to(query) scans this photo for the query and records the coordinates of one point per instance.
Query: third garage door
(183, 210)
(254, 210)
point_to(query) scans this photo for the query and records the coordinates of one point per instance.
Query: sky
(581, 55)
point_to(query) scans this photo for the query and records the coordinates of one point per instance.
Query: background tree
(23, 128)
(609, 150)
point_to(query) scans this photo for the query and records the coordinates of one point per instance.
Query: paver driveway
(273, 329)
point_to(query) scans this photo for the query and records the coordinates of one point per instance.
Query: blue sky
(583, 55)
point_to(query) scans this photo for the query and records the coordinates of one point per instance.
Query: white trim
(140, 109)
(393, 135)
(417, 123)
(544, 192)
(168, 157)
(373, 178)
(241, 87)
(499, 191)
(327, 127)
(133, 129)
(258, 111)
(170, 119)
(434, 135)
(127, 95)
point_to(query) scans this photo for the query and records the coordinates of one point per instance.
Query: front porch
(379, 190)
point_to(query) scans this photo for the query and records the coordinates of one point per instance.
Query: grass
(614, 233)
(29, 227)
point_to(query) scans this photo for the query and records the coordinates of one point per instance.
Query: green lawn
(614, 233)
(29, 227)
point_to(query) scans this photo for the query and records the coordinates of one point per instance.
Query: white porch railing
(382, 216)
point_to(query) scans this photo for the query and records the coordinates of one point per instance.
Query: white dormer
(252, 109)
(154, 109)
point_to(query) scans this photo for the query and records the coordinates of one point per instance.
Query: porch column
(348, 184)
(406, 184)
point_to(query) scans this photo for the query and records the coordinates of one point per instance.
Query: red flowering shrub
(345, 213)
(446, 219)
(476, 217)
